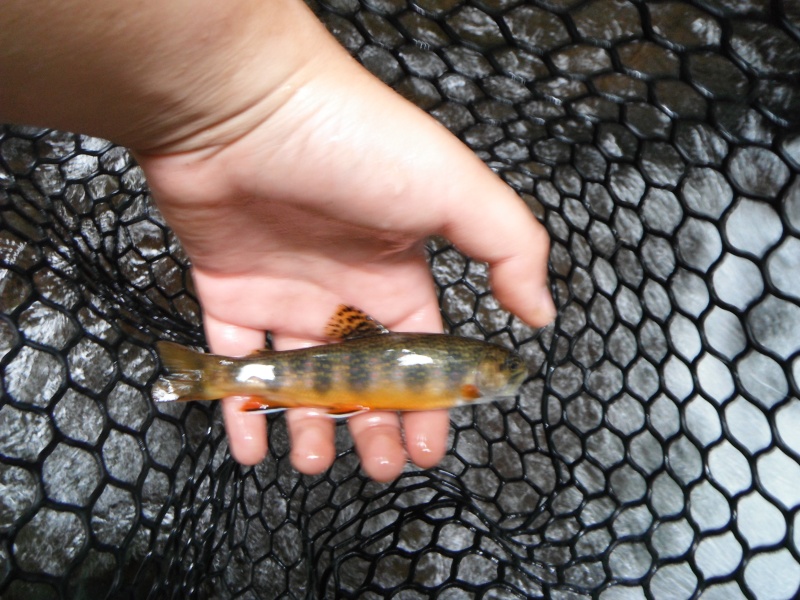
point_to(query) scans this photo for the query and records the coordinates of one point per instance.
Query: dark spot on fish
(358, 373)
(323, 374)
(276, 383)
(454, 372)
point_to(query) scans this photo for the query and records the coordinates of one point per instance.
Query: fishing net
(654, 454)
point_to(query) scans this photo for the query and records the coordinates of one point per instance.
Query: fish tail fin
(185, 374)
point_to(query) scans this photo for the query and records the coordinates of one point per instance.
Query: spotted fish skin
(380, 371)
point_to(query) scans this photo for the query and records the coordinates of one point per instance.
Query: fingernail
(383, 460)
(421, 443)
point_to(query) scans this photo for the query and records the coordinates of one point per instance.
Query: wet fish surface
(372, 368)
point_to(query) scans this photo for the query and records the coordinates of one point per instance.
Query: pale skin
(294, 179)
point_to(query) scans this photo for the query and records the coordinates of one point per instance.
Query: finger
(426, 436)
(482, 215)
(247, 434)
(475, 210)
(504, 233)
(311, 431)
(312, 434)
(377, 436)
(379, 444)
(399, 293)
(425, 431)
(262, 303)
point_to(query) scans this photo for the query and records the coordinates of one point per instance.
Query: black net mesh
(656, 453)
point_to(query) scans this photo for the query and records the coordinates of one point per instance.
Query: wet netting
(655, 453)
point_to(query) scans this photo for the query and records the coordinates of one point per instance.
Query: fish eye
(513, 363)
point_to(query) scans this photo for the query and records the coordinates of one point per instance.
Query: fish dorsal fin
(349, 323)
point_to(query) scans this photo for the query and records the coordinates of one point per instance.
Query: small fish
(370, 369)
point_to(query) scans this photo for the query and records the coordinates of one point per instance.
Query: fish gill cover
(656, 452)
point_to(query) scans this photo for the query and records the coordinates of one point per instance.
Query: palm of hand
(327, 199)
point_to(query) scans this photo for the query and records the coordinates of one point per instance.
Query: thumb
(498, 228)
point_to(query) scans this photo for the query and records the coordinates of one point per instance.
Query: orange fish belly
(341, 401)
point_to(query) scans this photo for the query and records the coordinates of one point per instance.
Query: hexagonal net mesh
(655, 453)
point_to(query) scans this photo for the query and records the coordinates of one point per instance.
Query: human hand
(327, 199)
(294, 179)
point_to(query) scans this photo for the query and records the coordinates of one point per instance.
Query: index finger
(504, 233)
(247, 434)
(377, 434)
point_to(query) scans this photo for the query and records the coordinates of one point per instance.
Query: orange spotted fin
(349, 323)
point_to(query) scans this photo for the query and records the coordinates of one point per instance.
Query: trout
(371, 368)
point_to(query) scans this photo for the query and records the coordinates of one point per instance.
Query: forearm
(148, 74)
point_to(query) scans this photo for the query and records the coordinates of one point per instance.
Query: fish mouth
(514, 382)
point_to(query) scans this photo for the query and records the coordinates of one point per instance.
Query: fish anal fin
(264, 411)
(470, 392)
(346, 415)
(344, 411)
(261, 406)
(349, 323)
(252, 405)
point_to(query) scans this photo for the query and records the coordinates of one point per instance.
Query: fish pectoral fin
(349, 323)
(263, 411)
(346, 415)
(255, 406)
(470, 391)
